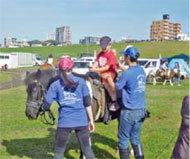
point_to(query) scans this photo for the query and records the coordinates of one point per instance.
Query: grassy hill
(147, 49)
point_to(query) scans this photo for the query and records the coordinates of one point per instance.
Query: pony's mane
(44, 76)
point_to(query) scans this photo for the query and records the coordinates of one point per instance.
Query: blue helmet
(131, 51)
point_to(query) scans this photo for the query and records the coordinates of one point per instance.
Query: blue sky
(33, 19)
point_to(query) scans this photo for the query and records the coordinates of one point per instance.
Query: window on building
(4, 57)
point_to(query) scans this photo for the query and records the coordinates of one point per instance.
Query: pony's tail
(68, 82)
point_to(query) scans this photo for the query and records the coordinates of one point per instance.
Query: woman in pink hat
(75, 112)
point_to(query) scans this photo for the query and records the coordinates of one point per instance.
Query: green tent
(180, 56)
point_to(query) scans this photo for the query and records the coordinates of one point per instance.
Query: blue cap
(131, 51)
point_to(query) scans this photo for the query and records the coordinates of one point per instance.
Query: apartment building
(164, 30)
(12, 43)
(51, 36)
(64, 35)
(90, 40)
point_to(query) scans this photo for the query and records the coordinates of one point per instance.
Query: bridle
(41, 92)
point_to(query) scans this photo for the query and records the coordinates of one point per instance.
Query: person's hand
(92, 69)
(91, 126)
(41, 109)
(119, 65)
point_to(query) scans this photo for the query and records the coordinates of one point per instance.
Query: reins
(43, 112)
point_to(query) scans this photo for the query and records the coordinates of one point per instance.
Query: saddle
(98, 94)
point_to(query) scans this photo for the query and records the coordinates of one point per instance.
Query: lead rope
(43, 113)
(166, 146)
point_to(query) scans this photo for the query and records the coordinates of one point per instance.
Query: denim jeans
(130, 123)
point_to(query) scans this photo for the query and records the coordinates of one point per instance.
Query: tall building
(9, 41)
(64, 35)
(51, 36)
(90, 40)
(164, 29)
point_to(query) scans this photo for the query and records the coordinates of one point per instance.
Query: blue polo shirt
(133, 83)
(72, 112)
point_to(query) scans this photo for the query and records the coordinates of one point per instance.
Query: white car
(150, 66)
(87, 59)
(38, 60)
(81, 67)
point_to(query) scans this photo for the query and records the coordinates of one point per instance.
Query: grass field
(147, 49)
(24, 139)
(4, 77)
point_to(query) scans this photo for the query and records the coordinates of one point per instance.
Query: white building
(12, 43)
(9, 41)
(51, 36)
(183, 37)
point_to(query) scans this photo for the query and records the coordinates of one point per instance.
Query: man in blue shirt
(75, 112)
(132, 83)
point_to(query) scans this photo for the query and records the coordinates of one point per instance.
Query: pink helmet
(65, 63)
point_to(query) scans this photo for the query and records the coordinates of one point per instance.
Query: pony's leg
(164, 83)
(178, 80)
(171, 83)
(154, 81)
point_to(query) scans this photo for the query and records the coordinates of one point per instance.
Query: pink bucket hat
(65, 63)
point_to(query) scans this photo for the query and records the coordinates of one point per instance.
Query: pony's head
(35, 94)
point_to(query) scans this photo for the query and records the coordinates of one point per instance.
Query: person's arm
(91, 120)
(87, 104)
(121, 67)
(119, 84)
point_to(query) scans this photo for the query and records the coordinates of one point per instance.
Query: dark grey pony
(38, 82)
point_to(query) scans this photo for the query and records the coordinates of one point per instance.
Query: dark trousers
(62, 138)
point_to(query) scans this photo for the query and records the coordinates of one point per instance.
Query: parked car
(85, 55)
(81, 67)
(149, 65)
(38, 60)
(87, 59)
(74, 58)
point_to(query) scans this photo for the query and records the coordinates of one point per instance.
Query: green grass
(22, 138)
(147, 49)
(4, 77)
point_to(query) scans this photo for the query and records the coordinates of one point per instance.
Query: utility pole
(87, 49)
